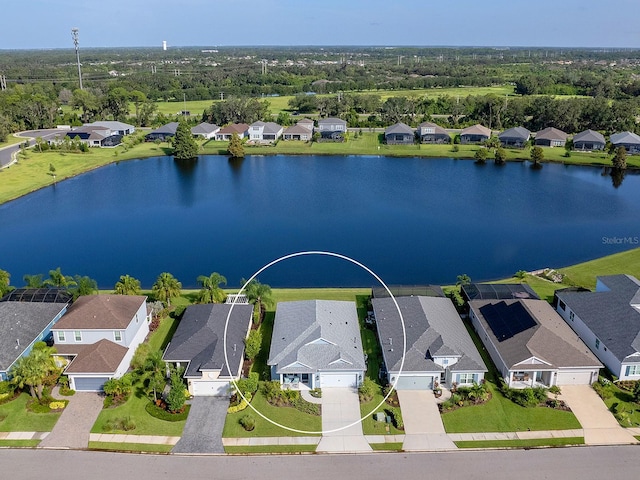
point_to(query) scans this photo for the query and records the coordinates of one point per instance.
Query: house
(298, 132)
(225, 133)
(514, 137)
(475, 134)
(608, 321)
(431, 133)
(26, 317)
(531, 345)
(439, 349)
(399, 134)
(589, 140)
(264, 132)
(551, 137)
(198, 346)
(162, 133)
(119, 128)
(629, 140)
(306, 122)
(316, 344)
(332, 129)
(497, 291)
(205, 130)
(95, 136)
(98, 336)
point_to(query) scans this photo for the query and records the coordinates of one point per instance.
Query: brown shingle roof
(234, 128)
(103, 356)
(476, 130)
(101, 312)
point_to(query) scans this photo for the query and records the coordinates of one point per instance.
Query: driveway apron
(341, 407)
(600, 426)
(203, 430)
(74, 425)
(422, 423)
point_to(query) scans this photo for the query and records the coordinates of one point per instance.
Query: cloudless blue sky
(130, 23)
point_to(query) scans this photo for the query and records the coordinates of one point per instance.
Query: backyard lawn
(584, 274)
(14, 417)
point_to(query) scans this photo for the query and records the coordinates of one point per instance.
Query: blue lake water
(411, 220)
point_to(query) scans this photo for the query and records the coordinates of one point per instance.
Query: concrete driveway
(203, 431)
(422, 423)
(341, 407)
(74, 425)
(600, 426)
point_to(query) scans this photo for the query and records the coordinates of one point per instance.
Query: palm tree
(166, 286)
(260, 295)
(127, 285)
(463, 279)
(57, 279)
(4, 282)
(211, 291)
(33, 281)
(32, 370)
(155, 370)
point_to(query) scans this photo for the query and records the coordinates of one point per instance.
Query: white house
(608, 321)
(264, 132)
(205, 130)
(98, 337)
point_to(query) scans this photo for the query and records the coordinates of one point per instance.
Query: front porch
(296, 381)
(530, 379)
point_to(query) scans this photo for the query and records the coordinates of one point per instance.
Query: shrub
(66, 392)
(175, 399)
(316, 393)
(125, 424)
(367, 390)
(161, 414)
(396, 417)
(604, 391)
(248, 385)
(252, 344)
(6, 387)
(244, 403)
(248, 422)
(57, 405)
(555, 390)
(636, 392)
(303, 406)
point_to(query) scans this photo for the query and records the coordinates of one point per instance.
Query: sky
(38, 24)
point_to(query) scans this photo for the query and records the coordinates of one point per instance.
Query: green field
(584, 274)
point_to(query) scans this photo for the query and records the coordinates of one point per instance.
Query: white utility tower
(164, 45)
(76, 41)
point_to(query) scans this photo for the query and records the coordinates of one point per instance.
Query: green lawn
(16, 418)
(12, 140)
(391, 446)
(369, 425)
(536, 442)
(19, 443)
(162, 336)
(271, 449)
(287, 416)
(292, 294)
(584, 274)
(622, 400)
(130, 447)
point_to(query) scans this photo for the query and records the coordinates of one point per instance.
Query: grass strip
(19, 443)
(534, 442)
(391, 446)
(271, 449)
(130, 447)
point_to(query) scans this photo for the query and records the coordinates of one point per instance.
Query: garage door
(210, 389)
(414, 382)
(574, 378)
(89, 384)
(329, 380)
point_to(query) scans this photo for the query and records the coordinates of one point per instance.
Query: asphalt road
(584, 463)
(5, 153)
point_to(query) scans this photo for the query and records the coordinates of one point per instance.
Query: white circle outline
(330, 254)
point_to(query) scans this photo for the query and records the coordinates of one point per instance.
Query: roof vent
(390, 341)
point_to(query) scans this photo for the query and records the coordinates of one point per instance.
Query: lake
(411, 220)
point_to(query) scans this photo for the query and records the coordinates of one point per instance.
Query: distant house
(332, 129)
(531, 345)
(95, 136)
(306, 122)
(205, 130)
(162, 133)
(316, 344)
(551, 137)
(198, 346)
(475, 134)
(119, 128)
(225, 133)
(98, 336)
(26, 317)
(264, 132)
(608, 320)
(429, 132)
(439, 349)
(298, 132)
(589, 140)
(629, 140)
(399, 134)
(514, 137)
(497, 291)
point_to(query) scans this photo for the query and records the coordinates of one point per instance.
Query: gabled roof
(625, 138)
(20, 324)
(168, 129)
(613, 315)
(589, 136)
(113, 125)
(234, 128)
(99, 312)
(476, 130)
(297, 130)
(438, 130)
(551, 133)
(306, 122)
(498, 291)
(272, 127)
(199, 338)
(433, 328)
(516, 132)
(523, 329)
(104, 356)
(205, 128)
(399, 128)
(331, 120)
(299, 327)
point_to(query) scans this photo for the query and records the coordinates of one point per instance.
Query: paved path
(203, 430)
(7, 153)
(341, 407)
(422, 422)
(600, 426)
(75, 423)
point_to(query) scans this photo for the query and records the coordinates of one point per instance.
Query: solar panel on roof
(507, 321)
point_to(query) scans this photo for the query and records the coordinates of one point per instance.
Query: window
(466, 378)
(117, 336)
(61, 337)
(571, 316)
(597, 344)
(562, 304)
(77, 335)
(633, 370)
(445, 361)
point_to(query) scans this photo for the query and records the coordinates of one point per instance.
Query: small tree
(176, 399)
(636, 392)
(463, 279)
(4, 283)
(480, 155)
(166, 286)
(500, 156)
(367, 390)
(185, 146)
(253, 344)
(619, 159)
(537, 155)
(235, 149)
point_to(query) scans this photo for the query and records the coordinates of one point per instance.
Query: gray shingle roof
(297, 130)
(20, 324)
(516, 132)
(113, 125)
(589, 136)
(610, 315)
(168, 129)
(323, 335)
(205, 128)
(433, 328)
(272, 127)
(399, 128)
(331, 120)
(625, 138)
(548, 338)
(199, 338)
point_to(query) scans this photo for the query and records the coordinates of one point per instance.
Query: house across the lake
(475, 134)
(551, 137)
(589, 140)
(514, 137)
(429, 132)
(399, 134)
